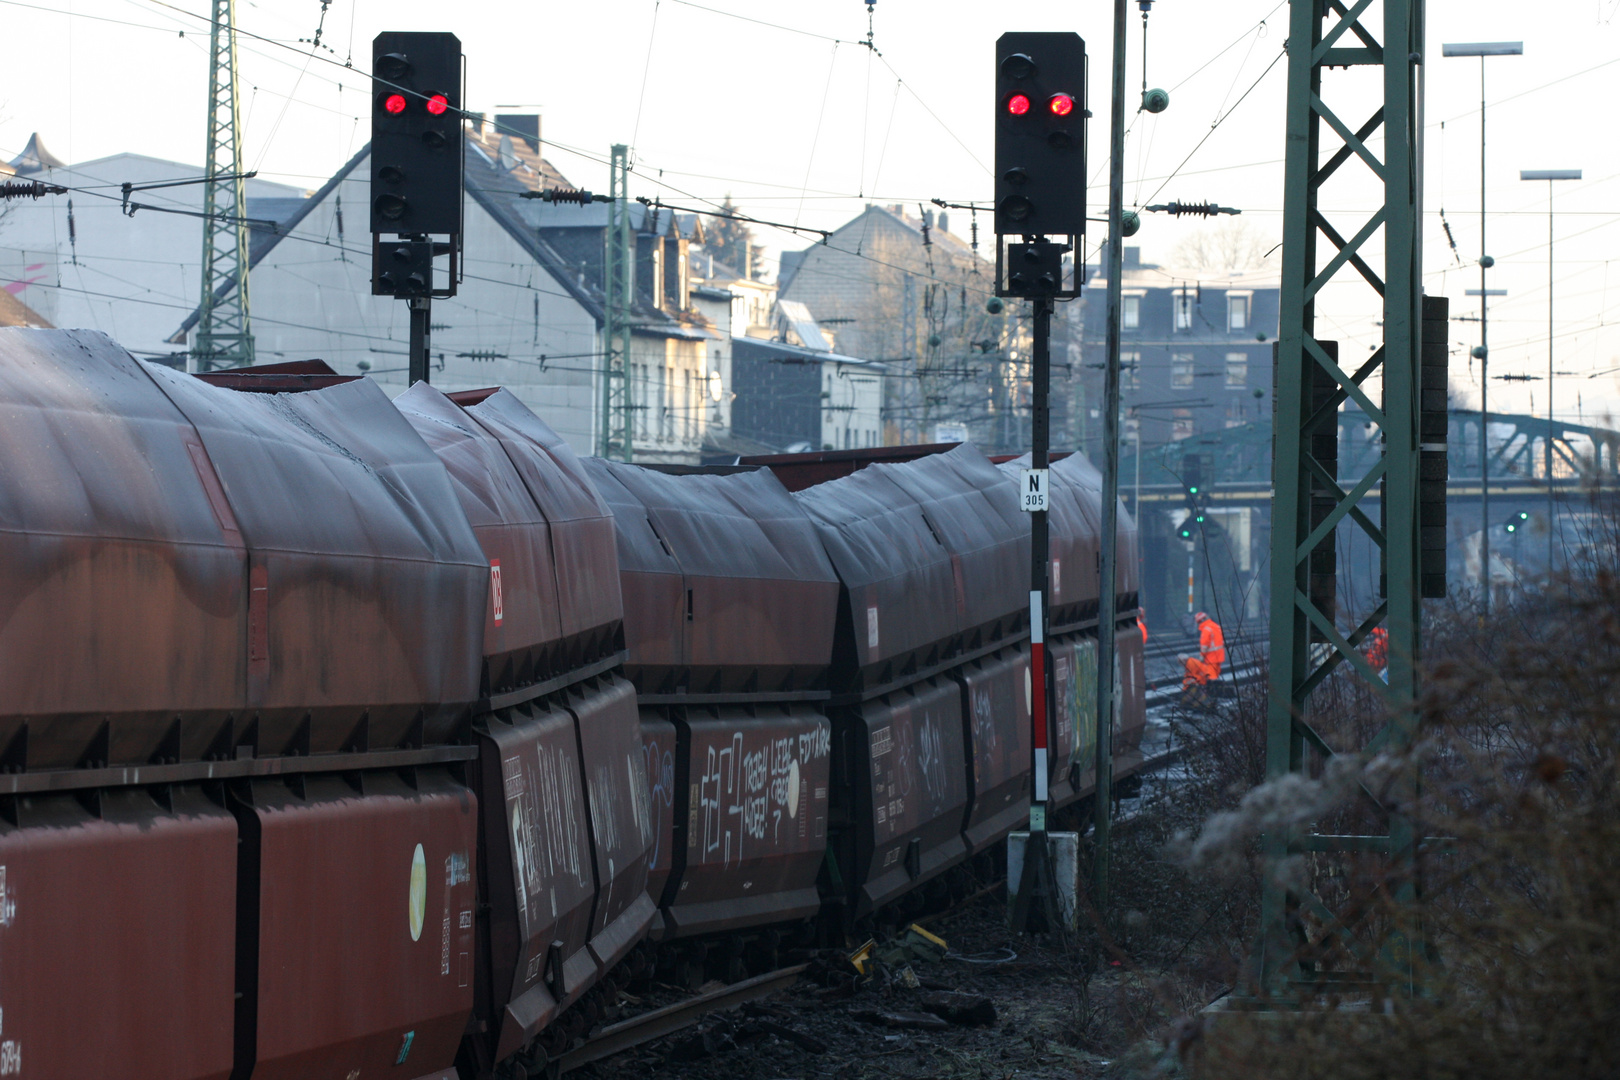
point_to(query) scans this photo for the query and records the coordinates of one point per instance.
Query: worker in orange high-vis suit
(1378, 652)
(1206, 666)
(1141, 620)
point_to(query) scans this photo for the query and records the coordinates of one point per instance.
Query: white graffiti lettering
(660, 769)
(931, 759)
(750, 787)
(815, 743)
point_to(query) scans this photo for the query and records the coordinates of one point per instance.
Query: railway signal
(1517, 521)
(416, 174)
(1040, 211)
(416, 160)
(1192, 475)
(1194, 495)
(1040, 134)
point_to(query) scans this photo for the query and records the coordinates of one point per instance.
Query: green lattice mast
(223, 338)
(1309, 637)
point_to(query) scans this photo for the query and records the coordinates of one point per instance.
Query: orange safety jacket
(1143, 624)
(1211, 642)
(1378, 648)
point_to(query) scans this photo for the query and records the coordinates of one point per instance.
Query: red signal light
(394, 103)
(1061, 104)
(437, 104)
(1018, 104)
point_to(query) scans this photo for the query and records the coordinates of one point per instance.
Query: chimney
(1133, 258)
(525, 126)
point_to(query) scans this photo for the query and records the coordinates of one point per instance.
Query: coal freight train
(347, 737)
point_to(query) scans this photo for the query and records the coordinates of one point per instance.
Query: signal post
(1040, 197)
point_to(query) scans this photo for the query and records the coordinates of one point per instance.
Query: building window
(688, 406)
(1237, 312)
(1132, 312)
(1235, 413)
(1181, 425)
(666, 423)
(641, 401)
(1130, 370)
(1181, 370)
(1237, 369)
(1183, 303)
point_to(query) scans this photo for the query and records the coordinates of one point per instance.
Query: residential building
(734, 305)
(529, 312)
(90, 259)
(779, 381)
(795, 394)
(1195, 350)
(905, 291)
(1195, 380)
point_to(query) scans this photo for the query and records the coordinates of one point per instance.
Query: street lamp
(1549, 175)
(1482, 49)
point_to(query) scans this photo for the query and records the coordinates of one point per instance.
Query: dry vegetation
(1519, 907)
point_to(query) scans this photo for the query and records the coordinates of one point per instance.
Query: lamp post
(1482, 49)
(1549, 175)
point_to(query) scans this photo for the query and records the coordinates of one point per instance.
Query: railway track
(619, 1037)
(657, 1023)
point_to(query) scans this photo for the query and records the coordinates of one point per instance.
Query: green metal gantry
(223, 338)
(616, 432)
(1385, 37)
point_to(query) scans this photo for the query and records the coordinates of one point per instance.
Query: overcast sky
(805, 124)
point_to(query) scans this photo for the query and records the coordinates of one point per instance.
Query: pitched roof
(262, 241)
(803, 324)
(1172, 277)
(791, 261)
(498, 170)
(897, 214)
(499, 191)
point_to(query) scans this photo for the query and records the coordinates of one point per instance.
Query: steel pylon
(223, 338)
(1310, 500)
(616, 434)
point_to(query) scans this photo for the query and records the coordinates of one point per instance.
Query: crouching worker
(1206, 666)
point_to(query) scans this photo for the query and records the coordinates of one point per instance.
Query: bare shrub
(1518, 900)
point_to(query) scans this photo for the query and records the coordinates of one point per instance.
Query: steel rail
(660, 1022)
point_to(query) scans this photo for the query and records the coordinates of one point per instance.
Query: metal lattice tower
(615, 439)
(1309, 501)
(223, 338)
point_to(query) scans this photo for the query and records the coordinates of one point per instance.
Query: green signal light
(1193, 490)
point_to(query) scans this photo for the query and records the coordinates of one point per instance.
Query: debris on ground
(971, 1010)
(987, 1005)
(915, 945)
(957, 996)
(918, 1021)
